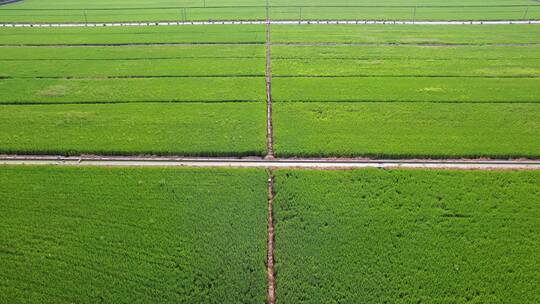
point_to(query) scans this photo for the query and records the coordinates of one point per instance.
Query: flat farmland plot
(132, 235)
(147, 65)
(462, 92)
(124, 11)
(206, 89)
(405, 10)
(396, 236)
(196, 10)
(202, 97)
(411, 61)
(405, 130)
(132, 73)
(229, 34)
(391, 89)
(191, 129)
(407, 34)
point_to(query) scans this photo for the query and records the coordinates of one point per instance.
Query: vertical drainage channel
(268, 76)
(271, 296)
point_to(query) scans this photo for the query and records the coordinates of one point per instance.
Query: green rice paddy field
(198, 235)
(194, 10)
(380, 90)
(87, 235)
(376, 236)
(156, 235)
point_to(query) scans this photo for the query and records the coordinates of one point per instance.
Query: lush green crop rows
(87, 235)
(397, 2)
(430, 89)
(105, 4)
(458, 93)
(196, 10)
(508, 61)
(478, 70)
(407, 34)
(129, 68)
(407, 237)
(211, 89)
(237, 34)
(403, 52)
(220, 129)
(228, 78)
(139, 52)
(407, 13)
(405, 130)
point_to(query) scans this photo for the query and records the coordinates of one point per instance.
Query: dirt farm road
(255, 162)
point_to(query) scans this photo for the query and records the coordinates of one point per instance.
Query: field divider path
(258, 162)
(268, 80)
(273, 22)
(271, 297)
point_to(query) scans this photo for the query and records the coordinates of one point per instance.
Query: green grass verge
(407, 34)
(191, 129)
(376, 236)
(206, 89)
(133, 35)
(509, 61)
(90, 235)
(404, 130)
(414, 89)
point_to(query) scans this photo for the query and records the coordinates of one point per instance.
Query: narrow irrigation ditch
(268, 77)
(271, 295)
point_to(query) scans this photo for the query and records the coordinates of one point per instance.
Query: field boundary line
(271, 297)
(258, 162)
(273, 22)
(268, 80)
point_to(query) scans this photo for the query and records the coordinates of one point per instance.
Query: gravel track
(256, 162)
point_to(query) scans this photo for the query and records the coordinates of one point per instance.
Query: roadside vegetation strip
(188, 129)
(372, 236)
(126, 234)
(407, 130)
(211, 89)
